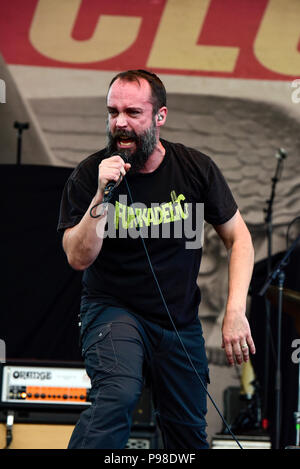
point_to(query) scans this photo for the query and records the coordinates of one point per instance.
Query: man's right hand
(110, 169)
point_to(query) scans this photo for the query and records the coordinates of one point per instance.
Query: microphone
(281, 154)
(112, 185)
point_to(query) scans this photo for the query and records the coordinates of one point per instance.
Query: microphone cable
(111, 188)
(177, 333)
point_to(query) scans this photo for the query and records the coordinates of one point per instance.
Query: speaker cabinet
(37, 436)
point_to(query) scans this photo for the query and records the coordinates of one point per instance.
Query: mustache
(124, 133)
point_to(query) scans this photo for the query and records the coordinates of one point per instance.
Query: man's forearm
(241, 261)
(83, 242)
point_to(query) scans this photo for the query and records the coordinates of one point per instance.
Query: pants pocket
(98, 351)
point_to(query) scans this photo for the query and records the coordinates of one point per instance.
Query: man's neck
(155, 159)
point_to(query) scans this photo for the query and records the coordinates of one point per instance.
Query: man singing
(140, 299)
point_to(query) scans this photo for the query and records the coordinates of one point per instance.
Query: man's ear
(161, 116)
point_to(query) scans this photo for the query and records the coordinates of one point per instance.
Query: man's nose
(121, 121)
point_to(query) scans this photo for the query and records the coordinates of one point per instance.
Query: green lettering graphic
(167, 212)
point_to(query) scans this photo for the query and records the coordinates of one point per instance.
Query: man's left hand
(236, 338)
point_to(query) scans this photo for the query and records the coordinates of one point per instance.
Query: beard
(145, 144)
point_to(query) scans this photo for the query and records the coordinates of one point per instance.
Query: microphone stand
(278, 272)
(20, 127)
(281, 155)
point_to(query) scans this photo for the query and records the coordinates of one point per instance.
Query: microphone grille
(123, 154)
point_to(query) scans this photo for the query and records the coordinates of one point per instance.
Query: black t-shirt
(166, 199)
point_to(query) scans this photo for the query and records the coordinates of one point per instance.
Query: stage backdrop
(232, 72)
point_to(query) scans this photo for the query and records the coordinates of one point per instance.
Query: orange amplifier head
(40, 384)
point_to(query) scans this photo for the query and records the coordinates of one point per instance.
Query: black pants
(120, 352)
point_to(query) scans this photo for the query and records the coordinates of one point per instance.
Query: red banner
(256, 39)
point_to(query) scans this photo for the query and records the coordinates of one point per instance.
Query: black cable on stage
(178, 335)
(169, 314)
(9, 426)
